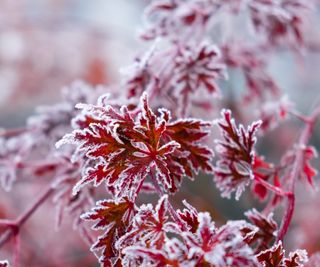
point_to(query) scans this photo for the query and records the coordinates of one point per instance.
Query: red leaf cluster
(114, 219)
(127, 146)
(275, 257)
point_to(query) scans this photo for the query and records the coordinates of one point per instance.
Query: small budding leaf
(308, 170)
(309, 153)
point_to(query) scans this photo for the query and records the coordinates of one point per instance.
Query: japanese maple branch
(297, 165)
(14, 227)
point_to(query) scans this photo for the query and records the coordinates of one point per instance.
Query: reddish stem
(275, 189)
(16, 250)
(294, 174)
(12, 132)
(301, 117)
(16, 225)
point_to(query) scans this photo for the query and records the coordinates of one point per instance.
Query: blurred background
(47, 44)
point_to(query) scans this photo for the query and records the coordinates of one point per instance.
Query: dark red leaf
(234, 170)
(113, 218)
(267, 228)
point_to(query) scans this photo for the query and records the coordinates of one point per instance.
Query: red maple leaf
(195, 68)
(127, 146)
(189, 134)
(275, 257)
(266, 229)
(149, 226)
(272, 257)
(114, 219)
(189, 216)
(224, 246)
(174, 254)
(234, 170)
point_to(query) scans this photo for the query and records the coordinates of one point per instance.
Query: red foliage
(114, 219)
(117, 144)
(128, 146)
(234, 170)
(274, 257)
(266, 226)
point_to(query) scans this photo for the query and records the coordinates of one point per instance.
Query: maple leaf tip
(76, 188)
(144, 96)
(81, 106)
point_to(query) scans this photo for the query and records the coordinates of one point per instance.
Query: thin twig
(16, 225)
(294, 174)
(12, 132)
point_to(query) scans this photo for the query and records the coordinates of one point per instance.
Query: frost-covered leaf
(107, 212)
(272, 257)
(174, 253)
(197, 68)
(189, 134)
(114, 219)
(176, 19)
(149, 226)
(126, 146)
(234, 170)
(281, 22)
(275, 257)
(189, 216)
(219, 247)
(267, 228)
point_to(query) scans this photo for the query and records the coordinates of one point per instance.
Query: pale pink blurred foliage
(45, 46)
